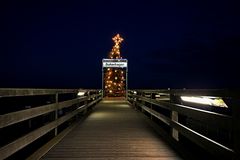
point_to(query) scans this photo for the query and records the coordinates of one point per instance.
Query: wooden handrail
(191, 134)
(223, 121)
(219, 120)
(14, 92)
(195, 92)
(27, 114)
(18, 116)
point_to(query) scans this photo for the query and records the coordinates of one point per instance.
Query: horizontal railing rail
(18, 116)
(221, 120)
(76, 105)
(168, 111)
(13, 92)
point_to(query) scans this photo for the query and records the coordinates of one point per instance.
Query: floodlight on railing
(206, 100)
(81, 93)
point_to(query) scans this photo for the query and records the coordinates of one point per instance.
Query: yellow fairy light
(117, 39)
(116, 78)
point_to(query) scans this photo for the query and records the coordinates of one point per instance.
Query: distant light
(134, 92)
(81, 93)
(212, 101)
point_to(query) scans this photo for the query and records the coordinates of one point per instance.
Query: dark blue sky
(176, 44)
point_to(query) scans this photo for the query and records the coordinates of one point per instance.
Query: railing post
(86, 103)
(152, 97)
(30, 120)
(56, 113)
(126, 82)
(126, 94)
(236, 128)
(134, 99)
(142, 101)
(174, 117)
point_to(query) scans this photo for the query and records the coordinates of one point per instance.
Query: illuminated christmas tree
(114, 80)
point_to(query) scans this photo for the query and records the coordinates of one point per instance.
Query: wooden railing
(39, 112)
(214, 129)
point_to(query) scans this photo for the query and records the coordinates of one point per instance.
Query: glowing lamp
(212, 101)
(81, 93)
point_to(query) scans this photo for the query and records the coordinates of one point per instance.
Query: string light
(117, 39)
(115, 76)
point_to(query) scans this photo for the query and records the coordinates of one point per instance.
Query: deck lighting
(81, 93)
(212, 101)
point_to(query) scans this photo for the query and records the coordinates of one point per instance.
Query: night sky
(169, 44)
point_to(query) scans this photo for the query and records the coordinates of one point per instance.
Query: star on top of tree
(117, 39)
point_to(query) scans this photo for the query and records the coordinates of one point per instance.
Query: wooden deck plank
(113, 131)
